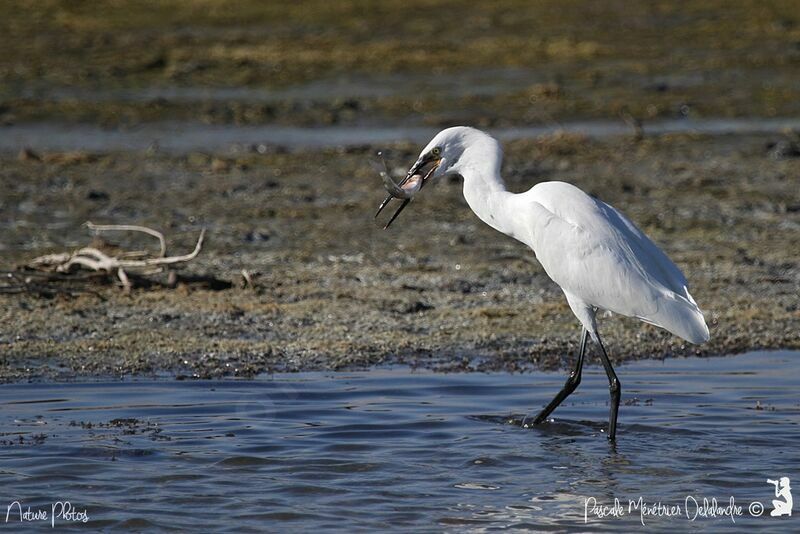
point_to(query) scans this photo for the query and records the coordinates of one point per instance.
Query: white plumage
(601, 260)
(598, 257)
(594, 253)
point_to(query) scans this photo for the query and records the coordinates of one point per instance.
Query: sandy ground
(440, 289)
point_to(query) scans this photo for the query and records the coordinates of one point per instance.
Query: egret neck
(485, 191)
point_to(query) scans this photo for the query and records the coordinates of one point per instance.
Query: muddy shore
(332, 290)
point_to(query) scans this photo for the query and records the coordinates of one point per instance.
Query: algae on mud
(440, 290)
(84, 60)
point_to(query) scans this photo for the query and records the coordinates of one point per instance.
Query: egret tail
(681, 316)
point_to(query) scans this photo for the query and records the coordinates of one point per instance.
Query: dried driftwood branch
(131, 228)
(94, 259)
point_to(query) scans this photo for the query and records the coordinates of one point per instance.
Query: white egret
(598, 257)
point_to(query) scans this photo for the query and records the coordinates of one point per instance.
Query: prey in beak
(415, 180)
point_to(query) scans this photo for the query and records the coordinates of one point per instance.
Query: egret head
(448, 153)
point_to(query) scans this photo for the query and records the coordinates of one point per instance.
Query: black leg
(573, 380)
(615, 388)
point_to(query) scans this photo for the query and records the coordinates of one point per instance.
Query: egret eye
(436, 151)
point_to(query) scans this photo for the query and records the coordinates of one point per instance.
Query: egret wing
(603, 259)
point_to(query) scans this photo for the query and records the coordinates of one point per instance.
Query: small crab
(405, 190)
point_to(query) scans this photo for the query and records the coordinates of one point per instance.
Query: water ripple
(395, 449)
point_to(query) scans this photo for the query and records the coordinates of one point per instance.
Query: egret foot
(572, 383)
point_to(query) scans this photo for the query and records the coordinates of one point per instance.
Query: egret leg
(573, 380)
(615, 388)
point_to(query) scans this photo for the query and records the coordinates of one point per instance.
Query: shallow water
(406, 450)
(181, 137)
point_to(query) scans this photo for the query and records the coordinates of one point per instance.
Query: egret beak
(408, 187)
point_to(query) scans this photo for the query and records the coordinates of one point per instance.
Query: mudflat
(328, 288)
(331, 289)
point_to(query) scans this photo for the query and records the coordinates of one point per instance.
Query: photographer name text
(692, 508)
